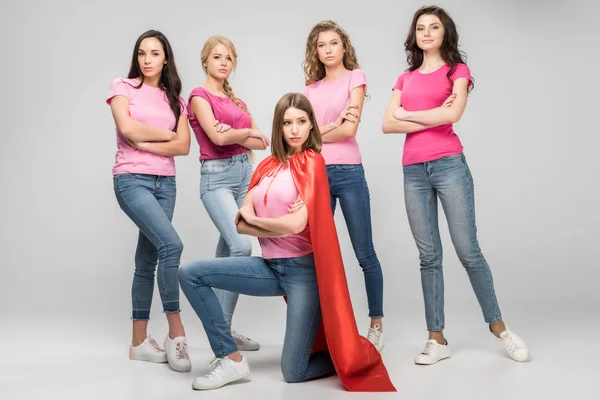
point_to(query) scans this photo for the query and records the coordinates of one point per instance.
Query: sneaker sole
(432, 363)
(148, 359)
(180, 369)
(221, 384)
(248, 348)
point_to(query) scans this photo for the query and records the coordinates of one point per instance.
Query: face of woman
(330, 48)
(219, 63)
(296, 129)
(151, 57)
(430, 32)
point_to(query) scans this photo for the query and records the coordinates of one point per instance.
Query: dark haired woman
(427, 99)
(287, 207)
(152, 128)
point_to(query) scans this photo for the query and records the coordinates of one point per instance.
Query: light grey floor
(88, 360)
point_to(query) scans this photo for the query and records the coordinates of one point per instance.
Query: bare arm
(134, 130)
(245, 228)
(253, 143)
(391, 124)
(204, 114)
(441, 115)
(349, 127)
(286, 225)
(177, 147)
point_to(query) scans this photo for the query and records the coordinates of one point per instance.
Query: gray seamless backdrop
(529, 131)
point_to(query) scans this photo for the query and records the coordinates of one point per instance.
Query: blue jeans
(348, 184)
(223, 186)
(449, 179)
(149, 201)
(292, 277)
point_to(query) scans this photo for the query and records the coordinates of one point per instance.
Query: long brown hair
(169, 80)
(314, 70)
(449, 50)
(279, 148)
(210, 44)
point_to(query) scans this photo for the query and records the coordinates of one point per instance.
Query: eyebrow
(433, 23)
(150, 50)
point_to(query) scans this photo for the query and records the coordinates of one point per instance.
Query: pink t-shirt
(150, 106)
(281, 196)
(424, 92)
(225, 111)
(328, 100)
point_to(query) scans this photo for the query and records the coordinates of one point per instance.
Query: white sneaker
(375, 336)
(225, 371)
(244, 343)
(148, 350)
(432, 353)
(177, 354)
(514, 345)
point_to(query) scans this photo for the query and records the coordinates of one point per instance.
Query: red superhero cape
(357, 362)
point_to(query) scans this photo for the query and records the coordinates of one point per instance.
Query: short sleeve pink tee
(328, 100)
(225, 111)
(148, 105)
(281, 195)
(424, 92)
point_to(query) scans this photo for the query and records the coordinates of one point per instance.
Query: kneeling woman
(288, 209)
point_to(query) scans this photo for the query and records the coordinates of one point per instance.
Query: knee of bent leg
(292, 373)
(241, 247)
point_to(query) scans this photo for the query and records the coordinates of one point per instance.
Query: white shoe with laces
(432, 353)
(148, 350)
(514, 345)
(177, 354)
(375, 336)
(244, 343)
(225, 371)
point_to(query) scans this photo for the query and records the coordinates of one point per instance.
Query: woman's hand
(255, 133)
(347, 114)
(247, 213)
(448, 102)
(297, 205)
(400, 114)
(220, 127)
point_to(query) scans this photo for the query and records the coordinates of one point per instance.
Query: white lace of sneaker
(240, 336)
(430, 347)
(514, 345)
(375, 336)
(244, 343)
(217, 365)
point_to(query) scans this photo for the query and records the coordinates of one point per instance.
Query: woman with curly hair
(336, 87)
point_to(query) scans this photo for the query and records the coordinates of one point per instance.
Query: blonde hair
(209, 45)
(314, 70)
(279, 148)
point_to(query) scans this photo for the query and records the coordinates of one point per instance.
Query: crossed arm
(398, 120)
(289, 224)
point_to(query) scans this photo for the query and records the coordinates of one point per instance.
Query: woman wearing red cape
(288, 209)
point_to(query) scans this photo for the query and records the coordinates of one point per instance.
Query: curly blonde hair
(209, 45)
(314, 70)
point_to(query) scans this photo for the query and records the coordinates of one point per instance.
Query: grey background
(529, 131)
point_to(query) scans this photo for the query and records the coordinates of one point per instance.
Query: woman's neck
(213, 85)
(333, 73)
(431, 61)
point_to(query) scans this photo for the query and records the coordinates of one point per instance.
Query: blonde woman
(225, 132)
